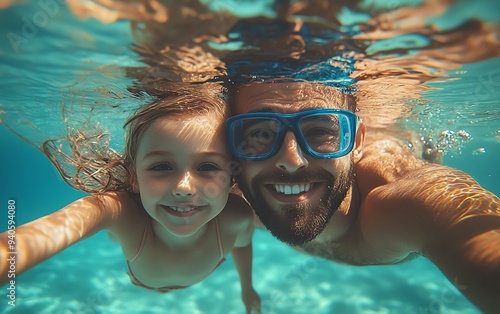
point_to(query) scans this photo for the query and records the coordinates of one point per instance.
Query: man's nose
(185, 185)
(290, 157)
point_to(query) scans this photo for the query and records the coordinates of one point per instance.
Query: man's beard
(297, 224)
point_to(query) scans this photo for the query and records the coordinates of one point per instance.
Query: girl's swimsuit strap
(143, 240)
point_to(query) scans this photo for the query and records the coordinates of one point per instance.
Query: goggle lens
(326, 133)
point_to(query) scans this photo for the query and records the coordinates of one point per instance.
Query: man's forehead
(286, 97)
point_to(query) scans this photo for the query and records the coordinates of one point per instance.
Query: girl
(166, 200)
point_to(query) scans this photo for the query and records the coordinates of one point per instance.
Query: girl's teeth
(292, 189)
(182, 209)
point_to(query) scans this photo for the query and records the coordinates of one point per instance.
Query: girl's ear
(360, 138)
(133, 179)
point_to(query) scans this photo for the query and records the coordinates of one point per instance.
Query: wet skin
(397, 207)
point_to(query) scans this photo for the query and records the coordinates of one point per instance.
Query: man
(318, 183)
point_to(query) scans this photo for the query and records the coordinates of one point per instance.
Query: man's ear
(360, 138)
(133, 179)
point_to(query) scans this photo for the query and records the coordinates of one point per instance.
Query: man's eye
(160, 167)
(261, 134)
(319, 132)
(208, 167)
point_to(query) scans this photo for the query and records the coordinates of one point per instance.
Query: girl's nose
(185, 186)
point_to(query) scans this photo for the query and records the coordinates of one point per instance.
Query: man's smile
(294, 193)
(292, 189)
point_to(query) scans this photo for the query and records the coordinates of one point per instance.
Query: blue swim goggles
(320, 132)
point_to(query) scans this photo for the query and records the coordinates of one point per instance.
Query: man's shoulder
(415, 205)
(385, 161)
(405, 199)
(391, 174)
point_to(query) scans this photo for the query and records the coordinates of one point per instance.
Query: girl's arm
(242, 256)
(40, 239)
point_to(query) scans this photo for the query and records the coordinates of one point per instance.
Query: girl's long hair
(85, 160)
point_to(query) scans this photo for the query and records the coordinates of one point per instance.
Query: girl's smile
(185, 211)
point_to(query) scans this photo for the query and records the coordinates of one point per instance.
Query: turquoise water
(90, 277)
(69, 64)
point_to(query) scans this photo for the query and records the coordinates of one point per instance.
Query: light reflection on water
(396, 54)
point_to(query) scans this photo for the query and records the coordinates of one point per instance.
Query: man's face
(292, 193)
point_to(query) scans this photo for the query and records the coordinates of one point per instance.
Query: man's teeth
(183, 209)
(292, 189)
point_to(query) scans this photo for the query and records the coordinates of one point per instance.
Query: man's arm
(473, 266)
(412, 206)
(444, 214)
(468, 252)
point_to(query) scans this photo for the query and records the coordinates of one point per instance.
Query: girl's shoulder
(127, 207)
(237, 212)
(121, 202)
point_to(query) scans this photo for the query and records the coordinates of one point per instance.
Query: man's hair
(308, 91)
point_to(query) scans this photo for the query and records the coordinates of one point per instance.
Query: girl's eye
(160, 167)
(208, 167)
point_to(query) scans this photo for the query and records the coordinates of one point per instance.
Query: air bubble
(479, 151)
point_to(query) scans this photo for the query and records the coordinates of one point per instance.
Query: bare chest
(353, 250)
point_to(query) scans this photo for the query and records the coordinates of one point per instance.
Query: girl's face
(182, 172)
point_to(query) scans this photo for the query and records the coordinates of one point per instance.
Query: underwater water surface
(64, 70)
